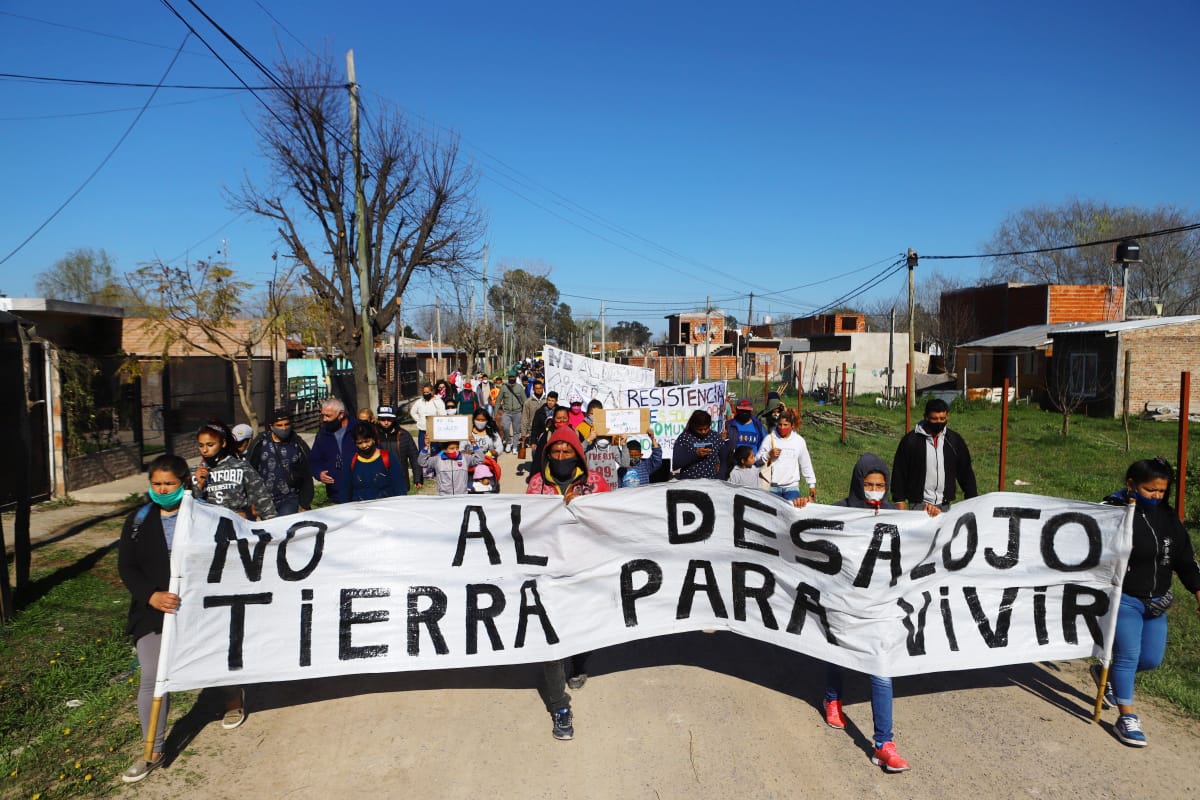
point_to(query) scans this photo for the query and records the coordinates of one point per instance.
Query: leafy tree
(631, 334)
(529, 302)
(201, 307)
(420, 210)
(83, 275)
(1169, 274)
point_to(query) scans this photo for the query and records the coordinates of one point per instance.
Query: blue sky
(695, 148)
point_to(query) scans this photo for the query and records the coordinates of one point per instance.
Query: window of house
(1027, 364)
(974, 362)
(1083, 374)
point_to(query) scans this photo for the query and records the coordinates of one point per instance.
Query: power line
(105, 160)
(1146, 235)
(97, 33)
(116, 110)
(136, 85)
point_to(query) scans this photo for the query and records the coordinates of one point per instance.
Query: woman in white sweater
(786, 453)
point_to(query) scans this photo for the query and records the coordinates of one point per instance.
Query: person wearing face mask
(485, 436)
(636, 469)
(744, 427)
(375, 472)
(224, 479)
(144, 564)
(427, 405)
(566, 474)
(929, 461)
(282, 459)
(536, 401)
(1161, 546)
(511, 403)
(332, 450)
(603, 456)
(400, 442)
(868, 490)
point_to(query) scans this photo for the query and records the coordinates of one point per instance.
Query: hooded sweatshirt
(542, 482)
(866, 464)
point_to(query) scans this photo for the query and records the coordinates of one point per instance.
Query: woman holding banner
(1160, 546)
(565, 473)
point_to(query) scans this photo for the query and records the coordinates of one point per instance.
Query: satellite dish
(767, 319)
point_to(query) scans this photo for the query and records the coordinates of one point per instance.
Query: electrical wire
(135, 85)
(1114, 240)
(104, 161)
(116, 110)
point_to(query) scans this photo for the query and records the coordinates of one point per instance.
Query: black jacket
(145, 568)
(301, 478)
(908, 468)
(404, 450)
(1160, 546)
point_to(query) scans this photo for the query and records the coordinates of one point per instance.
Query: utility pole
(438, 317)
(912, 327)
(484, 329)
(707, 332)
(361, 234)
(891, 353)
(603, 335)
(399, 330)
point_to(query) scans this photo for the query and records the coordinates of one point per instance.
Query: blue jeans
(788, 493)
(881, 701)
(288, 504)
(1139, 644)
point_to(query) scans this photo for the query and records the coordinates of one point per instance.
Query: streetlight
(1127, 252)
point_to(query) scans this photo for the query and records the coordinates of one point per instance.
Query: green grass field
(68, 722)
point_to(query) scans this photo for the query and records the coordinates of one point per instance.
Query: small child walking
(451, 467)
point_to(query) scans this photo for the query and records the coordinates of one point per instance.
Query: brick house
(981, 311)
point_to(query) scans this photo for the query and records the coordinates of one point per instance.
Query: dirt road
(688, 716)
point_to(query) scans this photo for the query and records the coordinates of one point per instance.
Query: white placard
(450, 428)
(577, 377)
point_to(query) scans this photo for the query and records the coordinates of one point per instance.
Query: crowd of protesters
(564, 450)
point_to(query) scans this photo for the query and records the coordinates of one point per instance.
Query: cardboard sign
(451, 428)
(621, 421)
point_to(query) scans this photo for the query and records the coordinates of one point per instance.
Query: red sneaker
(889, 759)
(833, 714)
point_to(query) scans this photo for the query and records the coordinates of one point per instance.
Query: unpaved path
(687, 716)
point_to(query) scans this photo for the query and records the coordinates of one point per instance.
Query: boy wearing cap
(281, 458)
(400, 443)
(242, 434)
(635, 470)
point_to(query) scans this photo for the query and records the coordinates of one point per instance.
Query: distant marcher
(332, 450)
(225, 479)
(604, 457)
(868, 489)
(929, 461)
(786, 454)
(365, 415)
(468, 400)
(771, 412)
(587, 425)
(511, 401)
(744, 427)
(429, 404)
(144, 564)
(282, 459)
(533, 403)
(1161, 545)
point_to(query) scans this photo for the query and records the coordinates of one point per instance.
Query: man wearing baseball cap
(744, 427)
(282, 459)
(241, 438)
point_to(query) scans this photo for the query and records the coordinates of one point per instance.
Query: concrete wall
(868, 356)
(103, 467)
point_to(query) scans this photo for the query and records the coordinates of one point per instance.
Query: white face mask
(480, 425)
(602, 443)
(875, 497)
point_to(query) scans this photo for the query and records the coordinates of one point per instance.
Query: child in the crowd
(374, 472)
(744, 473)
(451, 467)
(603, 456)
(224, 479)
(868, 489)
(635, 470)
(484, 482)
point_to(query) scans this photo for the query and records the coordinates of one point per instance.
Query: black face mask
(742, 416)
(427, 396)
(933, 428)
(366, 452)
(332, 426)
(282, 434)
(512, 381)
(561, 469)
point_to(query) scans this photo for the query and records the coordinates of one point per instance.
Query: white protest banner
(387, 585)
(577, 377)
(671, 406)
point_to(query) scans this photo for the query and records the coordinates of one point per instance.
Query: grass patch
(69, 646)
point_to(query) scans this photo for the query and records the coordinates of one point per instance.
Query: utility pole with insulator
(363, 243)
(912, 327)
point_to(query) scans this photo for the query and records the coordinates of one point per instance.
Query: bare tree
(200, 308)
(420, 209)
(529, 302)
(1075, 377)
(1169, 274)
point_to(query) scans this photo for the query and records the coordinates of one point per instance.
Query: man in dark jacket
(930, 460)
(282, 459)
(400, 443)
(332, 450)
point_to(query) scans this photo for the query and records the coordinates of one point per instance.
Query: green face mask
(167, 501)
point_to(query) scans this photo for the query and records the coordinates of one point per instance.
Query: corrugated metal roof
(1129, 324)
(1030, 336)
